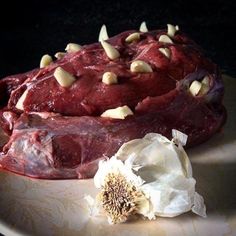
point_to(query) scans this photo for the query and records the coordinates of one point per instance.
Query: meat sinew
(56, 121)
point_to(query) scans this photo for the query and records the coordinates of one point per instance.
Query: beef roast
(58, 132)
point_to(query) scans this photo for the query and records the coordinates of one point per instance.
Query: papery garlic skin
(93, 206)
(161, 170)
(199, 207)
(167, 173)
(157, 151)
(171, 196)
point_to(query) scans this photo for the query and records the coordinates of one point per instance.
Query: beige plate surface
(41, 207)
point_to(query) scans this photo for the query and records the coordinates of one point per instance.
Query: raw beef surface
(59, 133)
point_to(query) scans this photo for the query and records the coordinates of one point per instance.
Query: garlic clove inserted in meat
(143, 27)
(103, 35)
(118, 113)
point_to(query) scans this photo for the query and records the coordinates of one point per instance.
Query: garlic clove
(165, 39)
(118, 113)
(109, 78)
(205, 85)
(143, 27)
(195, 87)
(140, 66)
(45, 60)
(73, 47)
(59, 55)
(165, 51)
(111, 51)
(206, 80)
(132, 37)
(20, 103)
(171, 30)
(103, 34)
(204, 89)
(64, 78)
(200, 88)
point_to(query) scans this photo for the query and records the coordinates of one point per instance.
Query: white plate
(45, 207)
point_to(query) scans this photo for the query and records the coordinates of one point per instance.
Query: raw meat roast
(56, 121)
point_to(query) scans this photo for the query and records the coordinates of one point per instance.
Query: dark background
(29, 29)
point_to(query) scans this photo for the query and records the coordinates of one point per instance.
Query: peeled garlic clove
(64, 78)
(165, 51)
(165, 39)
(195, 87)
(111, 51)
(60, 55)
(171, 30)
(45, 60)
(118, 113)
(132, 37)
(206, 80)
(20, 103)
(103, 34)
(109, 78)
(140, 66)
(205, 85)
(204, 89)
(143, 27)
(73, 47)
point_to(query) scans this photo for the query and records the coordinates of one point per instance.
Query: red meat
(60, 133)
